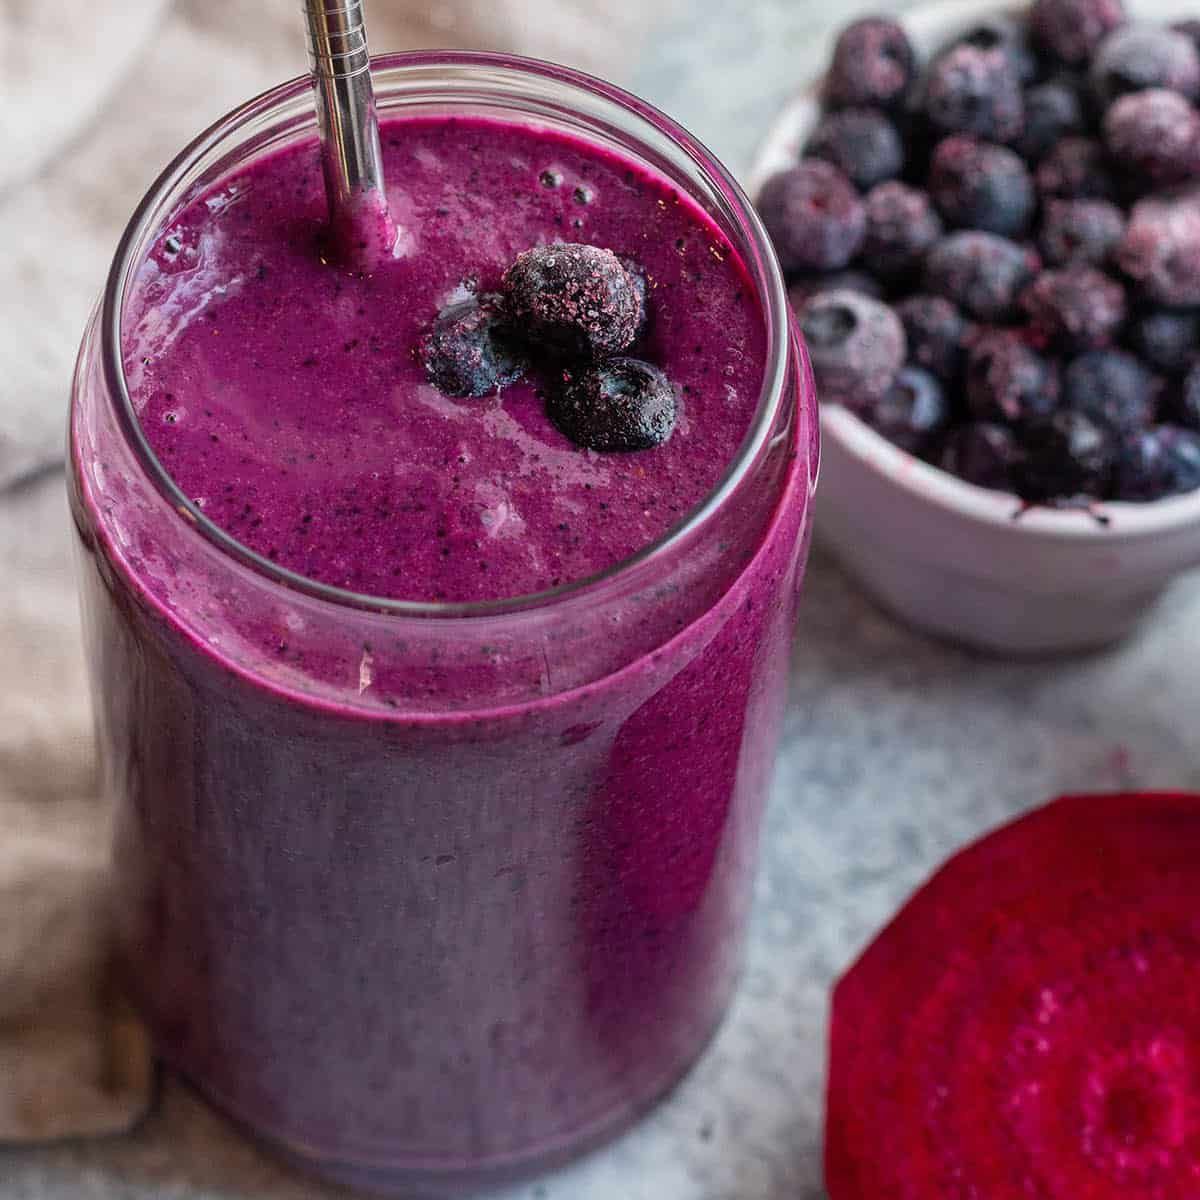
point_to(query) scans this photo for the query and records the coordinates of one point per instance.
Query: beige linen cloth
(95, 97)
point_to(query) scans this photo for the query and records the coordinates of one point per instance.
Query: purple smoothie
(430, 901)
(284, 396)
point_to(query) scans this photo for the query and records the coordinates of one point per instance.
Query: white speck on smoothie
(570, 467)
(1048, 1006)
(460, 293)
(498, 514)
(219, 201)
(431, 398)
(191, 296)
(427, 158)
(403, 211)
(366, 671)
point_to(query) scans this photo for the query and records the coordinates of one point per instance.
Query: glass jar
(428, 896)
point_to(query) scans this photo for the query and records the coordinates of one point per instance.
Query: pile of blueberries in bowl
(995, 257)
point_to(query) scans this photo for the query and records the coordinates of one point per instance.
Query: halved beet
(1028, 1026)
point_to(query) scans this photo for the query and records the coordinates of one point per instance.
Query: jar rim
(764, 271)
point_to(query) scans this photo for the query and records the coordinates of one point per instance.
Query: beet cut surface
(1028, 1026)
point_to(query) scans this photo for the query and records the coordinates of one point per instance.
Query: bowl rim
(927, 24)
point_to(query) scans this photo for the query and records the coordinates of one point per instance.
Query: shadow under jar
(433, 895)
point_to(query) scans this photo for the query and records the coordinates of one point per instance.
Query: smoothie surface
(283, 394)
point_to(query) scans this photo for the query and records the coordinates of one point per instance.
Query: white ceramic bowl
(951, 558)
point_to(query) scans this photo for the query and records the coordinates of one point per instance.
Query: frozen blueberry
(901, 227)
(1143, 468)
(968, 90)
(982, 453)
(1183, 447)
(920, 138)
(936, 333)
(1074, 308)
(576, 299)
(804, 287)
(856, 345)
(1157, 462)
(1053, 111)
(861, 142)
(1185, 407)
(1007, 381)
(1168, 339)
(1155, 134)
(1066, 454)
(1076, 168)
(1080, 232)
(1160, 251)
(1190, 30)
(1111, 387)
(977, 185)
(1137, 57)
(814, 217)
(1001, 32)
(873, 63)
(469, 352)
(620, 404)
(1072, 29)
(912, 412)
(637, 276)
(982, 273)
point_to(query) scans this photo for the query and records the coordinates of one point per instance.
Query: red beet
(1028, 1026)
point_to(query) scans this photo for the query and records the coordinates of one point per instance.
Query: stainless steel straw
(350, 153)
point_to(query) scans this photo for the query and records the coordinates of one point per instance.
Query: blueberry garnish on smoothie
(468, 352)
(574, 298)
(569, 309)
(620, 404)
